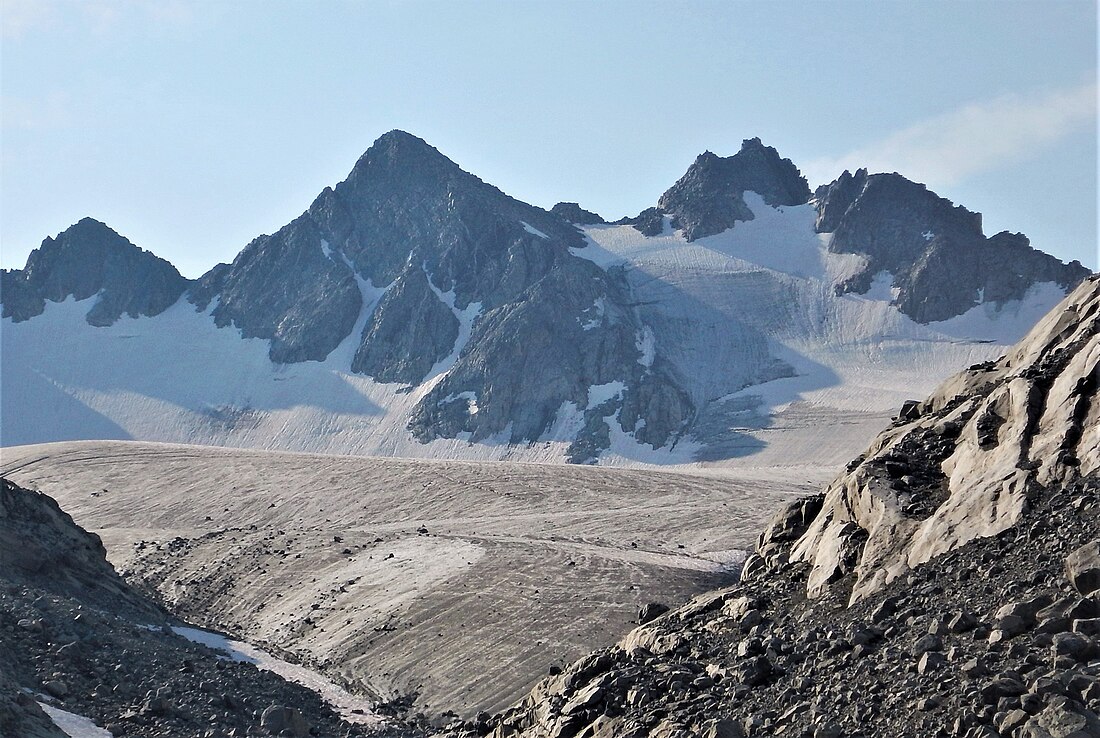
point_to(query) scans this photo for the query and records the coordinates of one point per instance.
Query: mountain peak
(939, 260)
(89, 258)
(708, 199)
(398, 140)
(89, 222)
(399, 150)
(754, 143)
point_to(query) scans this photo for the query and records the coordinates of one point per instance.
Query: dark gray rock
(85, 260)
(941, 262)
(1077, 646)
(280, 720)
(571, 212)
(651, 611)
(649, 222)
(410, 330)
(1062, 718)
(709, 198)
(284, 288)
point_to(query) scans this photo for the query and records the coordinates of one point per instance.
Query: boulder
(278, 718)
(1083, 568)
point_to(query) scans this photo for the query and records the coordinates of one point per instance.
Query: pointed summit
(403, 155)
(86, 259)
(709, 198)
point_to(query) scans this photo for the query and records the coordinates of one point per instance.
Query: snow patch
(646, 343)
(469, 397)
(341, 357)
(1002, 323)
(73, 725)
(882, 288)
(599, 308)
(533, 231)
(598, 394)
(568, 422)
(466, 318)
(338, 697)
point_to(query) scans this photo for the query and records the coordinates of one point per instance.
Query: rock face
(467, 274)
(965, 462)
(992, 631)
(85, 260)
(941, 263)
(709, 198)
(286, 289)
(573, 213)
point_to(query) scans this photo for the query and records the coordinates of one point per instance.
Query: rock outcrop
(940, 261)
(41, 546)
(90, 259)
(572, 212)
(952, 574)
(709, 198)
(966, 462)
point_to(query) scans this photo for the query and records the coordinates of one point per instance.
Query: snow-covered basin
(73, 725)
(353, 709)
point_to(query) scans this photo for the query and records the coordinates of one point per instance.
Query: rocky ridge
(91, 259)
(572, 212)
(849, 622)
(709, 198)
(940, 261)
(498, 319)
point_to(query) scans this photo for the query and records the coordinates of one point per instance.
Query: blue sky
(192, 127)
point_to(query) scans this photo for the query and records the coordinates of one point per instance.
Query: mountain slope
(79, 641)
(969, 460)
(415, 310)
(993, 631)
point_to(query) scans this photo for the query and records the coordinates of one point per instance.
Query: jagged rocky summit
(504, 323)
(938, 258)
(947, 584)
(89, 259)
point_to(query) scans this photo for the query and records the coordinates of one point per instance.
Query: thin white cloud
(48, 111)
(101, 17)
(977, 138)
(18, 17)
